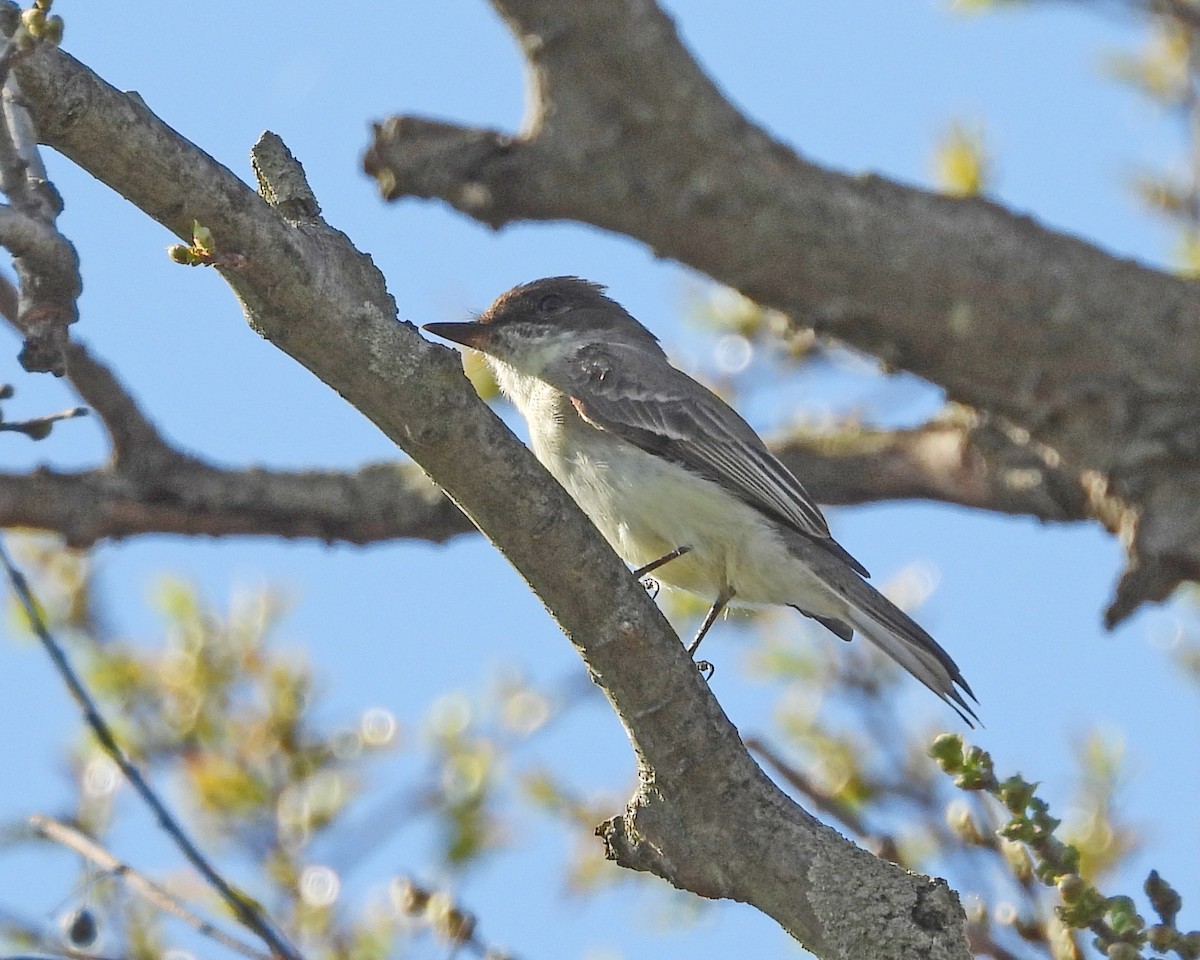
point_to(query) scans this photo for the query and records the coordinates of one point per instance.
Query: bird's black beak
(475, 335)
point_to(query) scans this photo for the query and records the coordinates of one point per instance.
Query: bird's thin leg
(718, 605)
(655, 564)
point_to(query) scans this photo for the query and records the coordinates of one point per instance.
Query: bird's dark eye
(551, 303)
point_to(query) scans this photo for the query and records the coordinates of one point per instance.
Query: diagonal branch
(133, 436)
(1092, 355)
(704, 816)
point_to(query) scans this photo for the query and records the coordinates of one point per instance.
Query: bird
(673, 477)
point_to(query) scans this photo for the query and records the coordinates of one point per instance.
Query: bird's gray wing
(650, 404)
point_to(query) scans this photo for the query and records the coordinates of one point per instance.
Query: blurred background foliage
(228, 718)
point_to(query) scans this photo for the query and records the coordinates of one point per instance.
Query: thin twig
(244, 909)
(819, 798)
(160, 897)
(39, 428)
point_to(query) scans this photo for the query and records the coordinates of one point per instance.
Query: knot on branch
(653, 837)
(281, 180)
(1163, 540)
(44, 349)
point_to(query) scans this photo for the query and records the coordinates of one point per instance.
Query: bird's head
(535, 324)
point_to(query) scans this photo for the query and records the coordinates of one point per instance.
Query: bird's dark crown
(560, 302)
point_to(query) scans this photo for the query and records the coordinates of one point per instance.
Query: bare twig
(39, 428)
(160, 897)
(811, 792)
(242, 906)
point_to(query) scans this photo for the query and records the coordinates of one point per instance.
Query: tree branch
(151, 487)
(968, 459)
(45, 261)
(375, 503)
(1092, 355)
(136, 442)
(975, 465)
(716, 824)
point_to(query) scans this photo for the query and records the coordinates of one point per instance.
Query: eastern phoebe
(673, 477)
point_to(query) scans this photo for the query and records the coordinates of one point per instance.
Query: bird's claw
(706, 669)
(652, 587)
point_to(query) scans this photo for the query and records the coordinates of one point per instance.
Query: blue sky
(865, 86)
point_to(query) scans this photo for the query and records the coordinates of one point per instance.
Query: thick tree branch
(151, 487)
(952, 462)
(716, 824)
(376, 503)
(968, 460)
(1092, 355)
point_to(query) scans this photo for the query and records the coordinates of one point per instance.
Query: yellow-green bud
(1015, 793)
(181, 254)
(202, 237)
(947, 750)
(53, 31)
(34, 20)
(1017, 858)
(1071, 887)
(457, 926)
(407, 897)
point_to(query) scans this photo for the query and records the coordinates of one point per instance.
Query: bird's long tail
(861, 606)
(904, 640)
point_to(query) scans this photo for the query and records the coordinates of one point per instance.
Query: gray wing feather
(672, 416)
